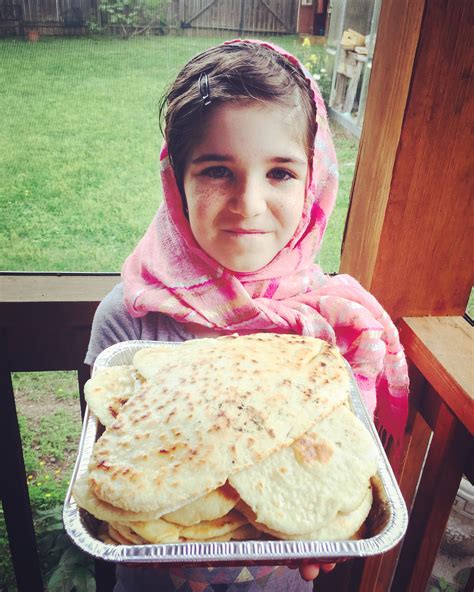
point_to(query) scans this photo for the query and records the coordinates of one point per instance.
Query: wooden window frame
(407, 241)
(407, 236)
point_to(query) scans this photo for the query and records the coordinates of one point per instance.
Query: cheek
(196, 194)
(202, 203)
(289, 212)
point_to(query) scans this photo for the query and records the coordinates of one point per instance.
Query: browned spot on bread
(309, 450)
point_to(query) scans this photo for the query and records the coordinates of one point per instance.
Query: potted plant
(32, 35)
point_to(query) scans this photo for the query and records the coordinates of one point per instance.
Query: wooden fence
(60, 17)
(256, 16)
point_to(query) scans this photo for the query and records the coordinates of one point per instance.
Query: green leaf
(62, 543)
(72, 556)
(46, 541)
(50, 512)
(83, 580)
(61, 580)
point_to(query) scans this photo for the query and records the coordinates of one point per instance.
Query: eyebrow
(285, 159)
(211, 157)
(226, 158)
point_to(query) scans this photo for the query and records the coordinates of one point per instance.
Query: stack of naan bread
(238, 437)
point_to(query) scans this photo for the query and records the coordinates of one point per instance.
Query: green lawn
(79, 148)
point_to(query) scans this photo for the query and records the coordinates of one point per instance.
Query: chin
(243, 267)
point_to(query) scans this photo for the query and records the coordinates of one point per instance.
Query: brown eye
(216, 172)
(280, 175)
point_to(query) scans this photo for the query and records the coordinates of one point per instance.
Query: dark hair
(238, 72)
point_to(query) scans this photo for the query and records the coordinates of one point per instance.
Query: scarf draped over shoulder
(169, 273)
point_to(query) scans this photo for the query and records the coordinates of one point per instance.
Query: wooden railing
(45, 321)
(439, 447)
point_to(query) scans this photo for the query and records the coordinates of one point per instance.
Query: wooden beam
(442, 348)
(379, 570)
(392, 70)
(407, 236)
(55, 287)
(57, 309)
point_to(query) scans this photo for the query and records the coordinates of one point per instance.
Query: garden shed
(406, 240)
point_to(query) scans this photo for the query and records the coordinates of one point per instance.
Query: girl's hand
(310, 571)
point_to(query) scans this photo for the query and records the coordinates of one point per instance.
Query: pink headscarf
(168, 272)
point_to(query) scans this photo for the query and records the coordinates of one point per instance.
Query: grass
(80, 184)
(346, 150)
(50, 425)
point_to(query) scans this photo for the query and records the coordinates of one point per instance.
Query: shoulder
(113, 323)
(112, 309)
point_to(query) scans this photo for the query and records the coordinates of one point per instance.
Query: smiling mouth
(244, 231)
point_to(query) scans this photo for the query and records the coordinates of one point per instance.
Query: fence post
(241, 24)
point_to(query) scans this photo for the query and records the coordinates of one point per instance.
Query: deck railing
(45, 322)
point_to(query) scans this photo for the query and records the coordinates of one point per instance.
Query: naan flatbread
(116, 536)
(221, 405)
(247, 532)
(342, 527)
(109, 389)
(301, 488)
(156, 531)
(85, 498)
(212, 506)
(160, 531)
(127, 533)
(214, 528)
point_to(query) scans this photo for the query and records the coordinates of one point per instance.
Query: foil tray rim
(260, 551)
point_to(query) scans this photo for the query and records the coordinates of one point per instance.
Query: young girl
(250, 178)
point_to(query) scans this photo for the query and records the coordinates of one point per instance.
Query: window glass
(80, 135)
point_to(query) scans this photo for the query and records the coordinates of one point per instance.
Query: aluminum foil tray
(387, 521)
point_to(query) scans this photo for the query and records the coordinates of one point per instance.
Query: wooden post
(447, 457)
(242, 14)
(14, 494)
(407, 237)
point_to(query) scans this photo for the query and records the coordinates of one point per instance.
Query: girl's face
(245, 184)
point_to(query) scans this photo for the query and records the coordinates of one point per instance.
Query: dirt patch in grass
(48, 405)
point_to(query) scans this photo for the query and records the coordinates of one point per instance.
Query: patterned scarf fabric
(168, 272)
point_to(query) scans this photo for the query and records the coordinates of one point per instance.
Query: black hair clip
(203, 84)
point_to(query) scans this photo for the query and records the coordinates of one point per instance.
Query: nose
(248, 199)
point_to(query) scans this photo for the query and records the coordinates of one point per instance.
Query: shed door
(253, 16)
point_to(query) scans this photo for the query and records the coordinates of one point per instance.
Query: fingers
(327, 567)
(310, 571)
